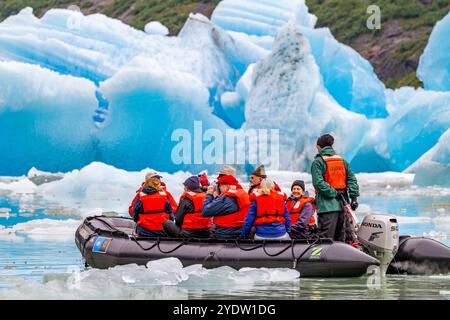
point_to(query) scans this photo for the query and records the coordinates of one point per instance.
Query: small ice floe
(410, 220)
(44, 229)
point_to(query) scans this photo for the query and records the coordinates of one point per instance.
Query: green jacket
(325, 194)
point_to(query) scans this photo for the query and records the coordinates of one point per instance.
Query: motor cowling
(379, 236)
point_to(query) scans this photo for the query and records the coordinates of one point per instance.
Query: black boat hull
(420, 256)
(106, 242)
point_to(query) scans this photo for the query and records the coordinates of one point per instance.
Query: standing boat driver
(301, 208)
(151, 207)
(189, 222)
(228, 209)
(332, 178)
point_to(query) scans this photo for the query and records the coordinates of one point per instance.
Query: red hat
(227, 179)
(203, 179)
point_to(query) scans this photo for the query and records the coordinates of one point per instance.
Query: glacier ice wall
(148, 101)
(246, 69)
(45, 119)
(434, 64)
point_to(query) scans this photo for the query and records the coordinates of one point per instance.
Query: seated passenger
(269, 213)
(301, 208)
(258, 175)
(228, 209)
(189, 221)
(151, 207)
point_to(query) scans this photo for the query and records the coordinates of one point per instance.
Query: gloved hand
(354, 204)
(339, 194)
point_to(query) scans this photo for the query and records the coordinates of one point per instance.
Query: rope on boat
(296, 260)
(278, 253)
(170, 251)
(247, 249)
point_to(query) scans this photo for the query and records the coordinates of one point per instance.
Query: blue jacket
(221, 206)
(270, 230)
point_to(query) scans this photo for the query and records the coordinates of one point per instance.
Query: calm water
(37, 261)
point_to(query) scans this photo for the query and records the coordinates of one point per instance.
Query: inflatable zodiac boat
(109, 241)
(106, 242)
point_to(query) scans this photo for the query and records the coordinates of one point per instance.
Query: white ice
(434, 64)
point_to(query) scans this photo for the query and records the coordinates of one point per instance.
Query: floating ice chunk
(99, 187)
(19, 187)
(442, 221)
(165, 264)
(45, 229)
(417, 119)
(156, 27)
(348, 77)
(256, 17)
(434, 64)
(287, 94)
(433, 168)
(436, 235)
(411, 220)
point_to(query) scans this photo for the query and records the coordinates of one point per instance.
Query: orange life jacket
(130, 208)
(154, 211)
(335, 175)
(235, 219)
(270, 208)
(295, 207)
(195, 220)
(172, 201)
(253, 192)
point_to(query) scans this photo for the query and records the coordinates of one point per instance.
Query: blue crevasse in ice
(434, 64)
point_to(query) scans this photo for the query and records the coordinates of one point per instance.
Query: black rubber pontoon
(420, 256)
(106, 242)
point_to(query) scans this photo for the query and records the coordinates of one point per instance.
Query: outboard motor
(378, 234)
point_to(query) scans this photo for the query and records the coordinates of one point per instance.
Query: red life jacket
(254, 192)
(235, 219)
(270, 208)
(335, 175)
(172, 201)
(154, 211)
(130, 208)
(295, 207)
(195, 220)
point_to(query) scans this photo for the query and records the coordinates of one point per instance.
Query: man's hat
(260, 172)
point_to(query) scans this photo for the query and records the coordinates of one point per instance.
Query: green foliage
(347, 21)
